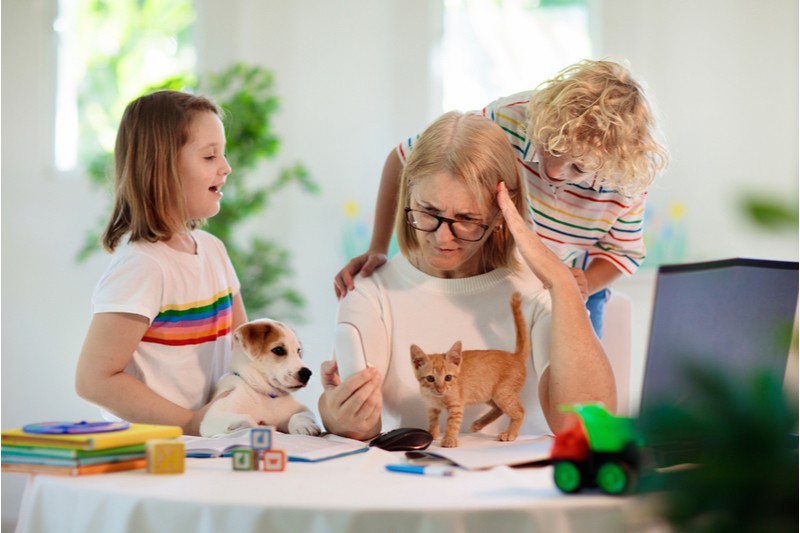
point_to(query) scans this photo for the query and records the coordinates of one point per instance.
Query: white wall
(354, 77)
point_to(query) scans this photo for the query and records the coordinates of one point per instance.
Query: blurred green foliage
(744, 473)
(770, 212)
(118, 48)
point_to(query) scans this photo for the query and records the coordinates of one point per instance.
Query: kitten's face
(436, 373)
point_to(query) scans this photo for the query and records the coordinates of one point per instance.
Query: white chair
(617, 342)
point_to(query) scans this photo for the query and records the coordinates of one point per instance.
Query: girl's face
(202, 165)
(441, 254)
(556, 170)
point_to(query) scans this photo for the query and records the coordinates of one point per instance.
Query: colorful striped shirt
(192, 323)
(579, 222)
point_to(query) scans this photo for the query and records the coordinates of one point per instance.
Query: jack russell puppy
(266, 367)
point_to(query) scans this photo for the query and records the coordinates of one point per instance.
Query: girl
(165, 308)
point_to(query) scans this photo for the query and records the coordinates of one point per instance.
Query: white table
(353, 493)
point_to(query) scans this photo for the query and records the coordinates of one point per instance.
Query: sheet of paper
(478, 451)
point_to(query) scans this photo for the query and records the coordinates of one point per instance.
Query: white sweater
(399, 305)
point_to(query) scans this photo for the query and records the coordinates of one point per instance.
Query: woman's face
(440, 253)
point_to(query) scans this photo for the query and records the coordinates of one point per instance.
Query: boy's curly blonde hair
(597, 114)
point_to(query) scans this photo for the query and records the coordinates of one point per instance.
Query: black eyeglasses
(463, 230)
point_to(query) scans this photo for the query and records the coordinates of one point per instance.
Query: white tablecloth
(354, 493)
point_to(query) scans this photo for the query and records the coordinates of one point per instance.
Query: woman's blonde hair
(596, 113)
(149, 199)
(474, 150)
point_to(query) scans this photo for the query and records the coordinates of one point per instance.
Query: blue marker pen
(442, 471)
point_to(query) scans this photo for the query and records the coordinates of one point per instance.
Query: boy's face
(202, 165)
(557, 170)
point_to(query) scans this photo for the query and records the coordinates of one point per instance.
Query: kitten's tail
(523, 349)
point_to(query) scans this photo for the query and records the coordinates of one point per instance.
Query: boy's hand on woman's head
(365, 263)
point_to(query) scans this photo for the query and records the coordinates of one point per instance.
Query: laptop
(734, 314)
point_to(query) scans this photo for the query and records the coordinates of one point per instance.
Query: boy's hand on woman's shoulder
(365, 264)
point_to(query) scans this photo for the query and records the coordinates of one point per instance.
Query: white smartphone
(348, 350)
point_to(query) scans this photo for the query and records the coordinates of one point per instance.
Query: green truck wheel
(614, 478)
(567, 476)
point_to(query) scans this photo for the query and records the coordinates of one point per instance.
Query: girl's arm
(382, 228)
(239, 314)
(101, 378)
(579, 370)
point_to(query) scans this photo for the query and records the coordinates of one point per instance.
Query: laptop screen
(736, 313)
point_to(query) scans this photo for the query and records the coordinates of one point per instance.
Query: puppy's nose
(303, 374)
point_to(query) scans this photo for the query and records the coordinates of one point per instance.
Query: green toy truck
(597, 449)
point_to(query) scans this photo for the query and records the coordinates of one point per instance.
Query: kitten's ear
(454, 355)
(418, 357)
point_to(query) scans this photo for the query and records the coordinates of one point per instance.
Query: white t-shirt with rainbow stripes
(187, 299)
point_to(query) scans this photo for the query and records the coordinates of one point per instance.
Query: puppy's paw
(239, 424)
(303, 424)
(218, 423)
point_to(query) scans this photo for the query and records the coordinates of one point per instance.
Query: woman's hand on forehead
(541, 260)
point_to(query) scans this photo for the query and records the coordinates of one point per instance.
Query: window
(494, 48)
(109, 52)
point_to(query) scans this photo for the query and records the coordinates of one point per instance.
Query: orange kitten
(456, 379)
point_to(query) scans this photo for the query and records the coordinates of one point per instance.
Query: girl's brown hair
(474, 150)
(149, 199)
(595, 112)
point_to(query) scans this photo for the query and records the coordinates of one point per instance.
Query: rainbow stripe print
(192, 323)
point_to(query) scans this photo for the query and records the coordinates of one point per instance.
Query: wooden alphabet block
(165, 456)
(244, 458)
(261, 438)
(273, 460)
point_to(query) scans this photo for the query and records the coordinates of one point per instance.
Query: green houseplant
(246, 95)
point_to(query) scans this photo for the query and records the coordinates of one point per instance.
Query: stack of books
(80, 454)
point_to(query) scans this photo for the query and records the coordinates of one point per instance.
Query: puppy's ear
(237, 334)
(253, 338)
(264, 331)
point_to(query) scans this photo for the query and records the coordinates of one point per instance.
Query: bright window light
(494, 48)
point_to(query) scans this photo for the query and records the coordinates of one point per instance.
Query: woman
(458, 230)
